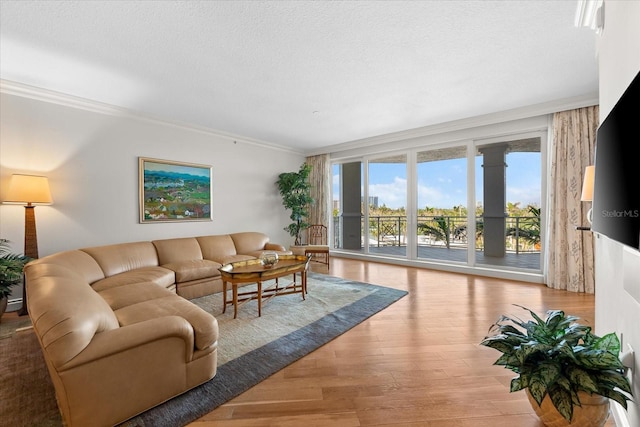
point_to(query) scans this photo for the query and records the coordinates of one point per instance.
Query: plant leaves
(611, 379)
(546, 372)
(538, 390)
(509, 361)
(582, 378)
(524, 352)
(554, 317)
(516, 385)
(498, 342)
(615, 395)
(609, 342)
(598, 359)
(563, 402)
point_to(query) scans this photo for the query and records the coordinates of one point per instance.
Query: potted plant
(295, 190)
(562, 365)
(11, 266)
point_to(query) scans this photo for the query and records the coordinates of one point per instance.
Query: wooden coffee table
(252, 271)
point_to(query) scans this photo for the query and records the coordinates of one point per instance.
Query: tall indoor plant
(11, 266)
(559, 358)
(295, 190)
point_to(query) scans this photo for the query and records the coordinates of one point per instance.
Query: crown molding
(468, 123)
(59, 98)
(590, 13)
(45, 95)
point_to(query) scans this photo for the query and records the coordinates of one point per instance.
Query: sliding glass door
(347, 206)
(509, 198)
(386, 208)
(442, 204)
(474, 204)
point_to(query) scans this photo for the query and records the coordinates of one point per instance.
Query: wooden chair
(317, 244)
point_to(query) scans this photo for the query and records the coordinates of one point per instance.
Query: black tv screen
(616, 192)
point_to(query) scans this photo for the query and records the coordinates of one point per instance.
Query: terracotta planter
(593, 412)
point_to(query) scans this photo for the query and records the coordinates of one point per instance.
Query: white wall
(91, 159)
(616, 267)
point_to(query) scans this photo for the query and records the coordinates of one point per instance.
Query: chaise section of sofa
(115, 324)
(133, 346)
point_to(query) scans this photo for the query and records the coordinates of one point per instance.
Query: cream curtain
(570, 250)
(320, 180)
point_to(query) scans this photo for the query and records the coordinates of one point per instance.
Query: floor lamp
(29, 189)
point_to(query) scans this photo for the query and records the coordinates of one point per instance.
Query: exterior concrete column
(351, 205)
(495, 183)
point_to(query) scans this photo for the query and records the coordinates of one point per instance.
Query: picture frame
(171, 191)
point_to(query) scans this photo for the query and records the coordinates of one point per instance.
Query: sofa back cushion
(249, 241)
(177, 250)
(217, 248)
(65, 311)
(115, 259)
(76, 261)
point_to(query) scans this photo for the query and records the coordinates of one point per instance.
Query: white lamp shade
(587, 184)
(28, 189)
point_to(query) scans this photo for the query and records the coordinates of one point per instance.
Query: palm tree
(529, 227)
(440, 230)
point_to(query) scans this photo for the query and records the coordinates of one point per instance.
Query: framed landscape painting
(174, 191)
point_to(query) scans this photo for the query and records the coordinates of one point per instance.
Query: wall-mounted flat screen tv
(616, 193)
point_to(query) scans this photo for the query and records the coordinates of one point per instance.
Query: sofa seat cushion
(204, 325)
(194, 269)
(123, 296)
(160, 276)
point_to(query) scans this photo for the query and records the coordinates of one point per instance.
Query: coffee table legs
(224, 296)
(234, 286)
(259, 299)
(259, 292)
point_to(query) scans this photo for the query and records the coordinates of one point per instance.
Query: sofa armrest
(109, 343)
(132, 368)
(274, 247)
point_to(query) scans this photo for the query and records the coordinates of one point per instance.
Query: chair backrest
(317, 234)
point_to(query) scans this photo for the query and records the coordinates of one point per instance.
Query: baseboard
(619, 415)
(14, 305)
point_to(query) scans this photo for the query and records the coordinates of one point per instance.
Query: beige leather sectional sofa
(117, 331)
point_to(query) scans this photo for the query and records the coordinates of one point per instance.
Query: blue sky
(442, 184)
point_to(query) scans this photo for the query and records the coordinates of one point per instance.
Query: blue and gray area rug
(252, 349)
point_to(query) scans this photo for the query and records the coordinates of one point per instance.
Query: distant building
(373, 201)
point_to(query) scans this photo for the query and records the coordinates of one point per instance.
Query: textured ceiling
(302, 74)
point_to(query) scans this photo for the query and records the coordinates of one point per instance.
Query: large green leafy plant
(559, 357)
(11, 266)
(295, 190)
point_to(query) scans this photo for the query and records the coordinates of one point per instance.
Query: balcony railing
(521, 233)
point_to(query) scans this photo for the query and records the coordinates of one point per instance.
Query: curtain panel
(571, 261)
(320, 180)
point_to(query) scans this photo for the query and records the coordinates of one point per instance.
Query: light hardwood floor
(416, 363)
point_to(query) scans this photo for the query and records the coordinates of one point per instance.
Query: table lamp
(587, 189)
(29, 189)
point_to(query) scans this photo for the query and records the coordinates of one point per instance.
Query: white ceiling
(302, 74)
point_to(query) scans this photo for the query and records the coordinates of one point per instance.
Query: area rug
(251, 348)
